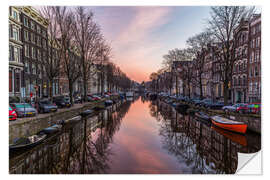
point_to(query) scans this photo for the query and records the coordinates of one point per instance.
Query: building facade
(15, 52)
(35, 42)
(254, 56)
(239, 75)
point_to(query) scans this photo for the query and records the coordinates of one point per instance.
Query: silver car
(23, 109)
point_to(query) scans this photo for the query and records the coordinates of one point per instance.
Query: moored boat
(202, 115)
(108, 102)
(52, 129)
(25, 143)
(228, 124)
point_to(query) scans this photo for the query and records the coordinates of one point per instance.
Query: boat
(228, 124)
(74, 119)
(202, 115)
(25, 143)
(98, 108)
(235, 137)
(108, 102)
(129, 94)
(51, 130)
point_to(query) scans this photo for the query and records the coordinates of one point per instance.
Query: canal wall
(252, 120)
(28, 126)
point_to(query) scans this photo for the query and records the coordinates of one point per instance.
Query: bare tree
(87, 37)
(224, 19)
(197, 48)
(70, 57)
(52, 62)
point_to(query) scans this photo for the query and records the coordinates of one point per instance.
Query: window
(32, 25)
(33, 53)
(33, 38)
(26, 50)
(252, 56)
(39, 71)
(250, 72)
(44, 44)
(256, 71)
(38, 29)
(26, 35)
(34, 69)
(15, 15)
(44, 33)
(38, 54)
(11, 53)
(17, 82)
(26, 66)
(239, 81)
(250, 87)
(25, 21)
(16, 54)
(10, 81)
(16, 34)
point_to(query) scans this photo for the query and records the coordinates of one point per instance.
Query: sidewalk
(44, 115)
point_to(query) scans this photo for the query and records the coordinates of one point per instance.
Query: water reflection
(204, 148)
(79, 148)
(136, 136)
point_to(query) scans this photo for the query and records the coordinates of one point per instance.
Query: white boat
(130, 94)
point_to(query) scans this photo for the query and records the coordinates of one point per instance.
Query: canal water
(137, 136)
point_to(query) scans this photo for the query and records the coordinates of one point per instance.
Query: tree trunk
(201, 90)
(70, 91)
(226, 92)
(84, 88)
(50, 90)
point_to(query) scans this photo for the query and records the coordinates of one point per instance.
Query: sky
(140, 35)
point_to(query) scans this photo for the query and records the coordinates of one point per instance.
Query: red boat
(228, 124)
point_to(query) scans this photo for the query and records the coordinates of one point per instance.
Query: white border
(4, 70)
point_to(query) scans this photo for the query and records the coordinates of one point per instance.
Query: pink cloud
(130, 32)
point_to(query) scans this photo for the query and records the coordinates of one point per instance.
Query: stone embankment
(24, 127)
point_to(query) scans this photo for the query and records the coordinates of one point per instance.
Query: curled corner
(249, 163)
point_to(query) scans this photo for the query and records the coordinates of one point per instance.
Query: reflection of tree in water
(195, 144)
(91, 155)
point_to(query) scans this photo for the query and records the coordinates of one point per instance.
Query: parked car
(12, 114)
(239, 107)
(90, 98)
(46, 106)
(78, 99)
(23, 109)
(96, 97)
(61, 101)
(214, 105)
(205, 102)
(254, 108)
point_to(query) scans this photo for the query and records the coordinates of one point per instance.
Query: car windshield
(45, 102)
(10, 108)
(23, 106)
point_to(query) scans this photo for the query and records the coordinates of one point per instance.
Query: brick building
(239, 75)
(15, 52)
(35, 42)
(254, 56)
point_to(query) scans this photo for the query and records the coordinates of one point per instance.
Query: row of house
(245, 84)
(28, 49)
